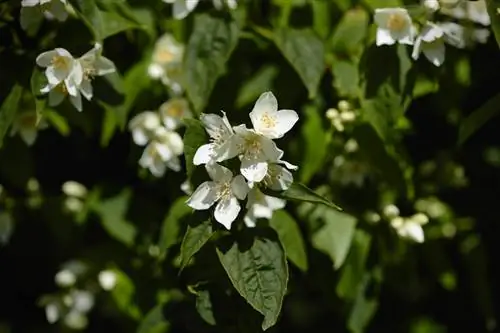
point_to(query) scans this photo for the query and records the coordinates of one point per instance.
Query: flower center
(252, 145)
(164, 56)
(175, 111)
(219, 136)
(268, 121)
(89, 72)
(61, 88)
(60, 62)
(224, 190)
(396, 22)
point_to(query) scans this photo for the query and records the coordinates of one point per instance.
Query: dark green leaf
(194, 137)
(322, 17)
(124, 295)
(335, 237)
(304, 50)
(8, 110)
(204, 306)
(171, 228)
(154, 321)
(291, 238)
(315, 144)
(195, 237)
(300, 192)
(258, 270)
(208, 50)
(478, 118)
(492, 7)
(363, 309)
(91, 16)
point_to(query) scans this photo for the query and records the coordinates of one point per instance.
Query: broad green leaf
(154, 321)
(300, 192)
(204, 306)
(195, 237)
(258, 270)
(493, 7)
(304, 50)
(363, 308)
(322, 17)
(253, 88)
(478, 118)
(194, 137)
(124, 295)
(113, 23)
(8, 110)
(171, 228)
(211, 43)
(345, 77)
(348, 38)
(290, 237)
(335, 236)
(354, 269)
(315, 144)
(112, 212)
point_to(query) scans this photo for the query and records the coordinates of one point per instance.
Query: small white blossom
(268, 120)
(430, 41)
(474, 11)
(107, 279)
(260, 206)
(221, 146)
(75, 320)
(391, 211)
(224, 189)
(74, 189)
(166, 62)
(394, 25)
(462, 37)
(163, 152)
(143, 127)
(410, 227)
(65, 278)
(174, 111)
(33, 11)
(61, 68)
(26, 125)
(53, 311)
(277, 177)
(431, 5)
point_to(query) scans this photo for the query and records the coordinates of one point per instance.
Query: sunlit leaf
(315, 144)
(195, 238)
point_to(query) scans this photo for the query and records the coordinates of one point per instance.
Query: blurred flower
(410, 227)
(53, 311)
(163, 152)
(33, 11)
(107, 279)
(65, 278)
(143, 126)
(224, 189)
(430, 41)
(431, 5)
(182, 8)
(166, 62)
(74, 189)
(174, 111)
(260, 205)
(391, 211)
(186, 187)
(474, 11)
(26, 125)
(461, 37)
(394, 25)
(341, 116)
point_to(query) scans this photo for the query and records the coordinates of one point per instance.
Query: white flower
(431, 43)
(74, 189)
(277, 177)
(166, 62)
(81, 300)
(107, 279)
(33, 10)
(394, 25)
(260, 205)
(182, 8)
(223, 189)
(461, 37)
(143, 127)
(221, 146)
(26, 125)
(256, 151)
(474, 11)
(53, 311)
(93, 64)
(174, 111)
(163, 152)
(61, 67)
(268, 121)
(65, 278)
(59, 92)
(431, 5)
(411, 227)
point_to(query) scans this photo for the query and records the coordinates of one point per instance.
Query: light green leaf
(322, 17)
(253, 88)
(478, 118)
(346, 77)
(58, 122)
(363, 308)
(124, 295)
(154, 321)
(348, 38)
(291, 238)
(211, 43)
(170, 231)
(258, 270)
(335, 237)
(304, 50)
(204, 307)
(493, 7)
(315, 144)
(113, 23)
(112, 212)
(8, 110)
(300, 192)
(195, 237)
(194, 137)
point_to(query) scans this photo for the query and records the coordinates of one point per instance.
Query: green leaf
(291, 238)
(322, 18)
(300, 192)
(478, 118)
(58, 122)
(195, 237)
(124, 295)
(315, 144)
(112, 212)
(204, 307)
(114, 23)
(304, 50)
(37, 82)
(335, 237)
(346, 77)
(259, 82)
(154, 321)
(493, 7)
(363, 309)
(8, 110)
(194, 137)
(91, 16)
(170, 231)
(211, 43)
(257, 269)
(350, 34)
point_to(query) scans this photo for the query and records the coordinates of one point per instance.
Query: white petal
(215, 125)
(285, 121)
(29, 3)
(239, 187)
(417, 47)
(250, 220)
(280, 178)
(104, 66)
(414, 231)
(384, 37)
(253, 170)
(45, 58)
(231, 148)
(435, 53)
(156, 71)
(180, 9)
(191, 4)
(265, 104)
(226, 211)
(203, 154)
(203, 197)
(163, 150)
(218, 173)
(174, 164)
(76, 101)
(158, 167)
(232, 4)
(28, 135)
(139, 137)
(274, 203)
(270, 150)
(262, 211)
(175, 142)
(430, 32)
(288, 165)
(76, 73)
(58, 10)
(86, 89)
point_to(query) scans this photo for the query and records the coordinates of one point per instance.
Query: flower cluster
(406, 227)
(261, 163)
(166, 62)
(182, 8)
(395, 25)
(69, 76)
(157, 131)
(344, 114)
